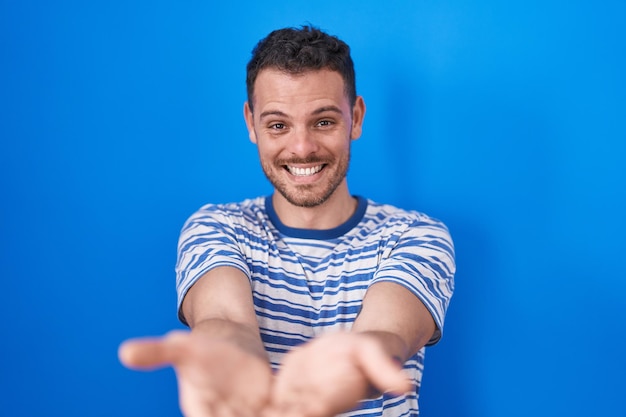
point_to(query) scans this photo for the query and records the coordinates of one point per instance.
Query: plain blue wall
(504, 119)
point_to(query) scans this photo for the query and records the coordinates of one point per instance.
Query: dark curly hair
(298, 50)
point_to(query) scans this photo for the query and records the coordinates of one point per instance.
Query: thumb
(381, 370)
(151, 352)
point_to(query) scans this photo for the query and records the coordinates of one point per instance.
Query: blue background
(504, 119)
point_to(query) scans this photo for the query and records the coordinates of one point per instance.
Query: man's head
(306, 114)
(296, 51)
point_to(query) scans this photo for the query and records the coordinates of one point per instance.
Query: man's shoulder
(248, 211)
(247, 205)
(388, 214)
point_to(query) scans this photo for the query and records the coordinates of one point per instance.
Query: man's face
(303, 126)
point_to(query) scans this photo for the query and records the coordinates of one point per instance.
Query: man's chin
(300, 198)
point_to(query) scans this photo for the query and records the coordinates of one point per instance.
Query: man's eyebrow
(272, 113)
(328, 108)
(315, 112)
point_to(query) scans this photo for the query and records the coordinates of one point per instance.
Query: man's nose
(303, 143)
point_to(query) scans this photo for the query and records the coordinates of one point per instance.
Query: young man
(311, 301)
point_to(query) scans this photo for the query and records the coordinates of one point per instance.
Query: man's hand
(215, 378)
(330, 374)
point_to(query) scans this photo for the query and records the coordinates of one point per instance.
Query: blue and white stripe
(306, 282)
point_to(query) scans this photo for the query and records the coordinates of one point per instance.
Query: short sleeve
(207, 240)
(421, 258)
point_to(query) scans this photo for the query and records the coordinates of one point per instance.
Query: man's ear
(358, 114)
(249, 118)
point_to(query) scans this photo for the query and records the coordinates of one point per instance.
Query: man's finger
(150, 352)
(381, 370)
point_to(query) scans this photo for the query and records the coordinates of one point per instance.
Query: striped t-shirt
(306, 282)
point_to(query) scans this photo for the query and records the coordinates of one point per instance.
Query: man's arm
(220, 305)
(221, 365)
(396, 318)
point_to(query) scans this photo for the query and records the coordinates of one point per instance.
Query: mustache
(303, 161)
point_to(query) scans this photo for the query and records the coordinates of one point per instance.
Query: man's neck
(332, 213)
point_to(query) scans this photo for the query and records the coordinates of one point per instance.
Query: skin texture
(221, 365)
(204, 367)
(299, 122)
(305, 121)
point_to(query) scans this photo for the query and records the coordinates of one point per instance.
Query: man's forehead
(280, 88)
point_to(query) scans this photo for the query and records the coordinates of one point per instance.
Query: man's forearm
(405, 325)
(391, 343)
(242, 336)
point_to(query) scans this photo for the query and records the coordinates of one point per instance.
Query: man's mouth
(304, 172)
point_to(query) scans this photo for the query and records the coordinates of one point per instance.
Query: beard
(307, 195)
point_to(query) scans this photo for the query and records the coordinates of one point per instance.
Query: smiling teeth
(303, 172)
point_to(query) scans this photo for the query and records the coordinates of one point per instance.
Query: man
(307, 302)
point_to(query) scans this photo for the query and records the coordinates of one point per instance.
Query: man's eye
(324, 123)
(277, 126)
